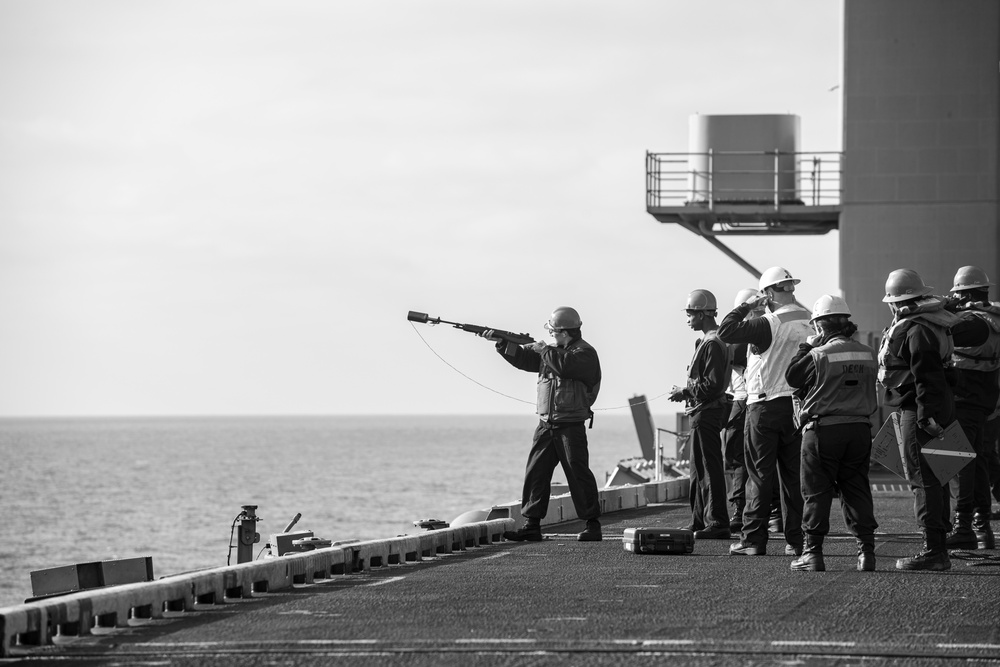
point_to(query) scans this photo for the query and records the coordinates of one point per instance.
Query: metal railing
(773, 178)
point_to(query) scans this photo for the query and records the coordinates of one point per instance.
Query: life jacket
(894, 371)
(564, 399)
(844, 391)
(985, 357)
(765, 374)
(711, 338)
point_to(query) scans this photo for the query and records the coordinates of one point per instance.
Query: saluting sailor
(773, 441)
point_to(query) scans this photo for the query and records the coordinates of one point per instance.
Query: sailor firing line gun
(512, 339)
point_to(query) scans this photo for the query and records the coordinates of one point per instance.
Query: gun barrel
(414, 316)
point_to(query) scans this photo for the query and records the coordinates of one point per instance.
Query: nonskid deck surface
(561, 601)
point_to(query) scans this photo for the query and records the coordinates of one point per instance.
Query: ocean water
(78, 490)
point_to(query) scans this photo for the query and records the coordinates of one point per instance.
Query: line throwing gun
(512, 339)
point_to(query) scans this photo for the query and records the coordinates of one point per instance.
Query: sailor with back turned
(773, 442)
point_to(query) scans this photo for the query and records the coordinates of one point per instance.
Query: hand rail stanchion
(711, 181)
(658, 458)
(777, 182)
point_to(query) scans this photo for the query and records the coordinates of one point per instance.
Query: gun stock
(512, 339)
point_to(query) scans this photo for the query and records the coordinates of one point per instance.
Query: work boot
(933, 558)
(811, 559)
(866, 554)
(531, 531)
(963, 537)
(713, 533)
(592, 533)
(736, 522)
(984, 532)
(742, 548)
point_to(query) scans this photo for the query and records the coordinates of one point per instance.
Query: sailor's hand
(813, 340)
(489, 335)
(677, 394)
(931, 427)
(538, 346)
(757, 302)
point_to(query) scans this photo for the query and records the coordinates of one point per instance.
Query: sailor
(991, 438)
(772, 437)
(704, 395)
(732, 446)
(569, 379)
(836, 377)
(976, 393)
(914, 357)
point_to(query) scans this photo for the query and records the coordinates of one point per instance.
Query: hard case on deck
(658, 540)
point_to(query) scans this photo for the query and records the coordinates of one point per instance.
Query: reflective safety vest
(894, 372)
(765, 372)
(985, 357)
(844, 391)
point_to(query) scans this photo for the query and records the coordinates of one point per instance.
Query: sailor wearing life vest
(836, 377)
(914, 367)
(569, 379)
(704, 395)
(976, 393)
(773, 441)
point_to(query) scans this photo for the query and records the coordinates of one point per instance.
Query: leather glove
(931, 427)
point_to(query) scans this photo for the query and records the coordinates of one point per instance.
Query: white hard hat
(775, 275)
(829, 304)
(744, 295)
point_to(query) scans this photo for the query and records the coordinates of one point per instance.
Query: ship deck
(563, 602)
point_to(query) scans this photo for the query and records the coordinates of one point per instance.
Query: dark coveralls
(772, 441)
(991, 440)
(708, 377)
(732, 446)
(569, 379)
(838, 384)
(734, 441)
(927, 395)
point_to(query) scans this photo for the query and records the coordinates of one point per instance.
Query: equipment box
(658, 540)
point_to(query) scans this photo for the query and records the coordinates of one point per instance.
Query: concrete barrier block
(404, 550)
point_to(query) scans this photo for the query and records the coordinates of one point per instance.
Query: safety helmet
(970, 277)
(700, 299)
(775, 275)
(744, 295)
(903, 284)
(829, 304)
(564, 317)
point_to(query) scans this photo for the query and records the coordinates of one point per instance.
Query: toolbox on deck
(658, 540)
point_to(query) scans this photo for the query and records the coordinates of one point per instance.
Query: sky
(223, 207)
